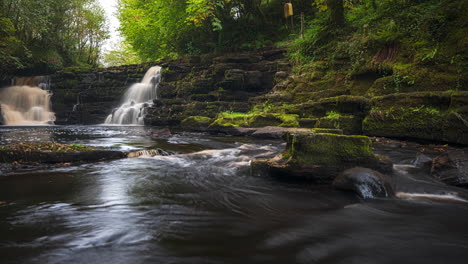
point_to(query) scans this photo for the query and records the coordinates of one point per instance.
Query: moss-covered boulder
(52, 152)
(321, 157)
(196, 121)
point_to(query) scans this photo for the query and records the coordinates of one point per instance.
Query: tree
(336, 7)
(51, 34)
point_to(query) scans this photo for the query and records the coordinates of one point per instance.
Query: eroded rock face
(321, 157)
(452, 168)
(365, 182)
(439, 116)
(201, 85)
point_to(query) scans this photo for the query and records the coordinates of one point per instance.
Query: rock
(1, 116)
(196, 121)
(271, 132)
(327, 130)
(365, 182)
(451, 168)
(320, 157)
(164, 132)
(9, 156)
(148, 153)
(350, 125)
(423, 161)
(343, 104)
(307, 122)
(281, 75)
(438, 116)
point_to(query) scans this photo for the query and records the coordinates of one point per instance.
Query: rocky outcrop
(319, 158)
(207, 85)
(452, 168)
(365, 182)
(423, 115)
(87, 97)
(201, 85)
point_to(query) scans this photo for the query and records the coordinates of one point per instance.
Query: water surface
(202, 206)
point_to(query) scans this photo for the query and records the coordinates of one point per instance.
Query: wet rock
(423, 161)
(270, 132)
(1, 116)
(9, 156)
(148, 153)
(452, 168)
(164, 132)
(365, 182)
(320, 157)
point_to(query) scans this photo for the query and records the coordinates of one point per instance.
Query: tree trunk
(336, 12)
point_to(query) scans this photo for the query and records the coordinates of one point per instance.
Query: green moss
(196, 121)
(255, 120)
(327, 149)
(418, 122)
(328, 130)
(348, 124)
(45, 147)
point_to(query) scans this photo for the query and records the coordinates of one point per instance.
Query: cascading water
(137, 97)
(26, 103)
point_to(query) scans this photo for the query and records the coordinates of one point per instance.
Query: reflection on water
(201, 206)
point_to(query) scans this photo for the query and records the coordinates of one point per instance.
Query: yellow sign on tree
(288, 10)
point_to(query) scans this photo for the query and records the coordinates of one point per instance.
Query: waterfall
(26, 103)
(135, 99)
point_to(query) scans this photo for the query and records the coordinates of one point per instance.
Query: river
(201, 205)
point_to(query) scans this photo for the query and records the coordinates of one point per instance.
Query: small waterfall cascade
(27, 102)
(136, 99)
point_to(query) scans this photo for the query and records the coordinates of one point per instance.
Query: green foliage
(333, 114)
(159, 29)
(46, 35)
(121, 55)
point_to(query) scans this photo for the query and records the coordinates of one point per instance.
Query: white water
(26, 105)
(137, 97)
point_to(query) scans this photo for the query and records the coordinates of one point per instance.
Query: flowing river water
(202, 206)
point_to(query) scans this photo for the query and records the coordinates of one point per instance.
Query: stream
(201, 205)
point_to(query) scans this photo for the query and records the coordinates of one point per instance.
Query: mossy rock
(262, 120)
(255, 120)
(327, 130)
(439, 100)
(344, 104)
(412, 122)
(196, 121)
(320, 157)
(308, 122)
(455, 128)
(230, 121)
(350, 125)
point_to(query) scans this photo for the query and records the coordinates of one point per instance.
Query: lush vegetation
(165, 29)
(47, 35)
(419, 43)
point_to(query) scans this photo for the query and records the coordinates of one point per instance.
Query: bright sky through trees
(110, 7)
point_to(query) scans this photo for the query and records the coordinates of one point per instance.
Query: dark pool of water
(202, 206)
